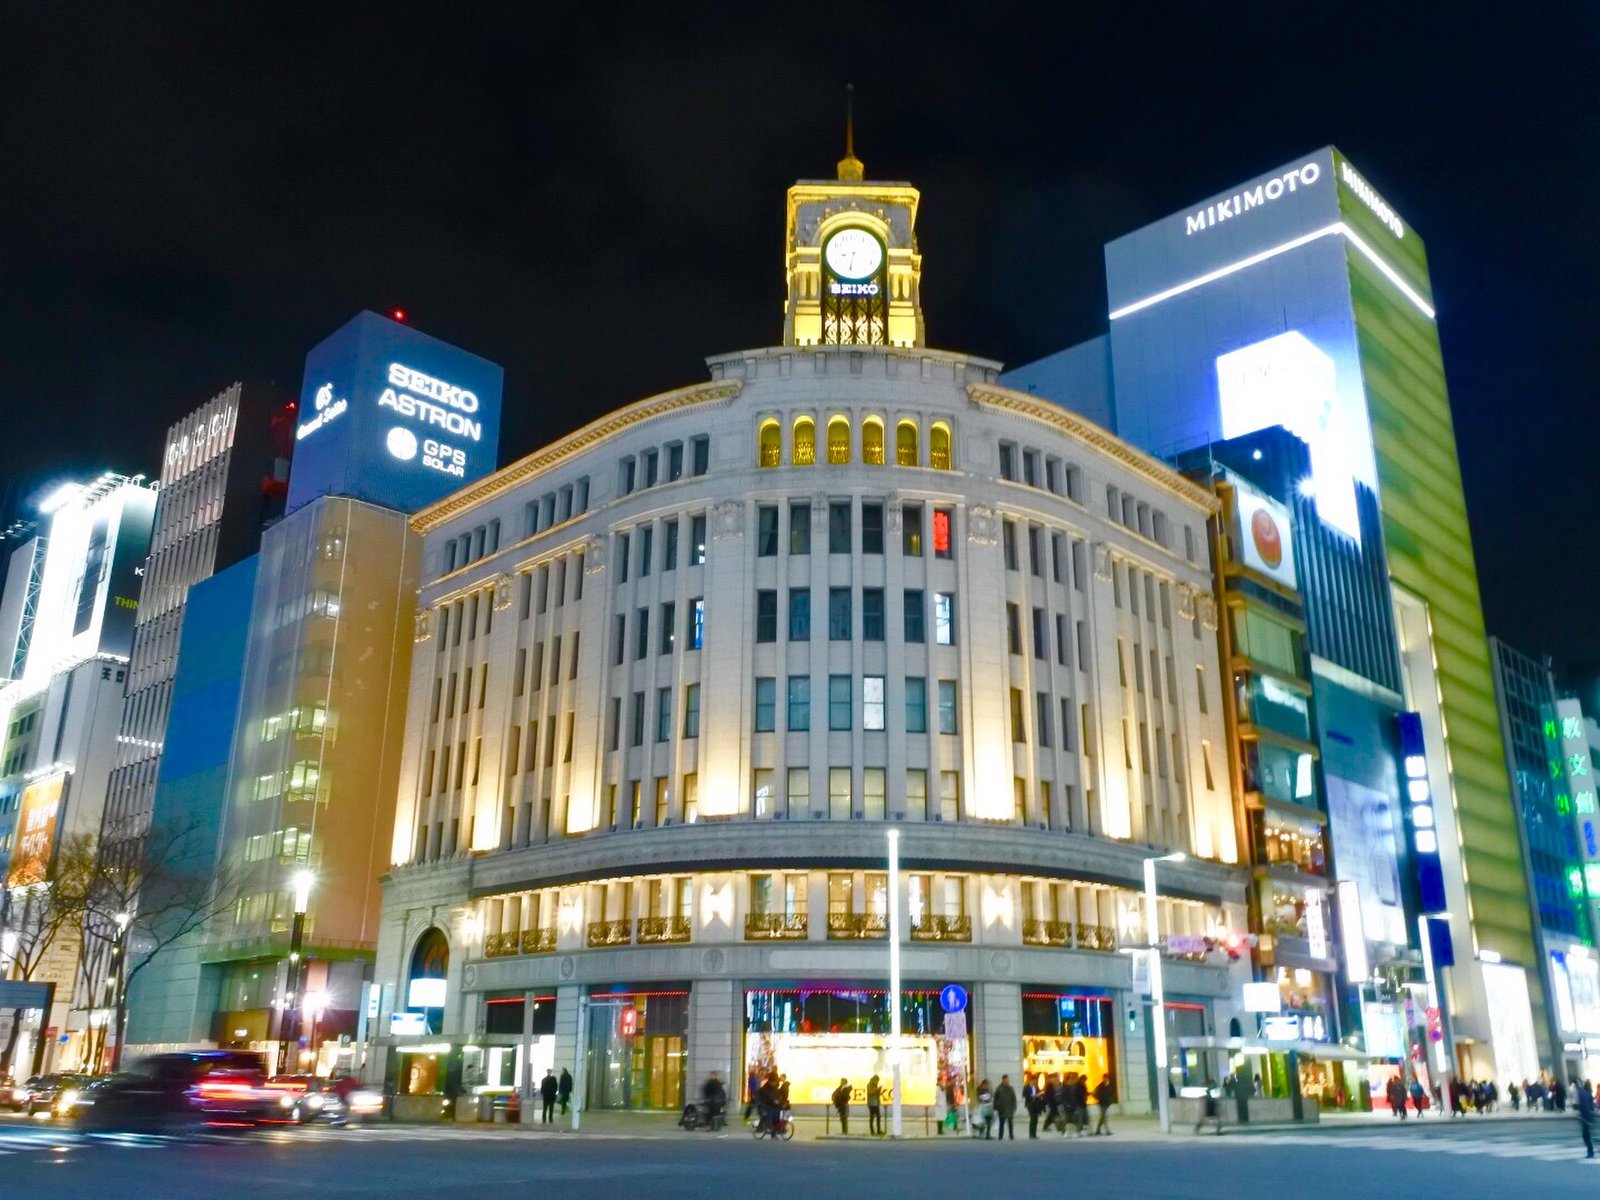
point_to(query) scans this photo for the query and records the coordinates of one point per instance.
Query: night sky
(190, 195)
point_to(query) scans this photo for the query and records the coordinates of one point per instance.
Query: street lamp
(1158, 1012)
(301, 881)
(894, 982)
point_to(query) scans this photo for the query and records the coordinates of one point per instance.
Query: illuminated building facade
(313, 740)
(1301, 299)
(60, 716)
(677, 675)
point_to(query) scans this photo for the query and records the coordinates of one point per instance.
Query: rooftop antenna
(850, 168)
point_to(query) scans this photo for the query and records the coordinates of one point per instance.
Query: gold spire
(850, 167)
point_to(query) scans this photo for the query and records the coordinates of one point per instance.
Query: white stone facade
(566, 836)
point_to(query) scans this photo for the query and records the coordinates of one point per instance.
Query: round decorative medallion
(1000, 962)
(568, 967)
(713, 960)
(469, 976)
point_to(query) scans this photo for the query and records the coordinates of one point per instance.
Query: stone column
(998, 1036)
(713, 1042)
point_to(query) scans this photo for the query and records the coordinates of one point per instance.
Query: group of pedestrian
(1063, 1103)
(767, 1098)
(1544, 1094)
(1473, 1095)
(554, 1091)
(1398, 1093)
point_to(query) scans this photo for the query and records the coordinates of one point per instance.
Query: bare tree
(42, 919)
(141, 901)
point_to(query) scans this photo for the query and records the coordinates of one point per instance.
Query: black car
(220, 1087)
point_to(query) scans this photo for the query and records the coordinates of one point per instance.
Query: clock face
(853, 254)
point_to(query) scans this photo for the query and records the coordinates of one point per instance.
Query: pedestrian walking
(1395, 1092)
(752, 1086)
(1030, 1101)
(985, 1108)
(874, 1107)
(841, 1104)
(1210, 1110)
(564, 1090)
(1005, 1109)
(1419, 1097)
(548, 1086)
(1104, 1096)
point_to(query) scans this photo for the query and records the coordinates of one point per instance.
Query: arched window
(872, 441)
(939, 446)
(906, 450)
(771, 444)
(804, 452)
(425, 988)
(839, 440)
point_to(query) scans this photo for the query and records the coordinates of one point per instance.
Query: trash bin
(486, 1105)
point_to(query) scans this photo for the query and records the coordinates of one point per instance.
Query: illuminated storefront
(1068, 1035)
(638, 1048)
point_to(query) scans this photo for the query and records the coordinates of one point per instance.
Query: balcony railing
(844, 926)
(538, 941)
(610, 933)
(1064, 933)
(499, 945)
(663, 929)
(942, 929)
(781, 927)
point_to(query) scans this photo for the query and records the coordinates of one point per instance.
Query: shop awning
(1324, 1050)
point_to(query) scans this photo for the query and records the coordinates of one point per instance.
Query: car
(195, 1087)
(304, 1098)
(44, 1091)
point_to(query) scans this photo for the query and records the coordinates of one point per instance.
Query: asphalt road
(1478, 1157)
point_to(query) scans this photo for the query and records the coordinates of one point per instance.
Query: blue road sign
(952, 997)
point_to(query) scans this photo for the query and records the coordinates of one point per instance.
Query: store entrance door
(665, 1055)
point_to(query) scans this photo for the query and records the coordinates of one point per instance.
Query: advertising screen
(1363, 822)
(36, 831)
(815, 1062)
(1516, 1053)
(393, 416)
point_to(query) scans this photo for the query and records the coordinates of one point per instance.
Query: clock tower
(851, 261)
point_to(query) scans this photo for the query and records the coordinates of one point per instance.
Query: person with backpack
(841, 1104)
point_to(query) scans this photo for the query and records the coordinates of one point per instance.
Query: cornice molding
(1065, 421)
(590, 436)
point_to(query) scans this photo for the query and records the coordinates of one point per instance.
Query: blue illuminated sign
(952, 997)
(1419, 801)
(394, 417)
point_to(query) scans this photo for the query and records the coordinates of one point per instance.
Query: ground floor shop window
(1068, 1037)
(638, 1049)
(818, 1036)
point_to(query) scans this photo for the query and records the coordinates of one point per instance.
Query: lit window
(804, 450)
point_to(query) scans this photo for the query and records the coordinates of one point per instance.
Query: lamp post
(1158, 1008)
(301, 881)
(894, 982)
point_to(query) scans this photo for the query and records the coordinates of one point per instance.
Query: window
(1057, 541)
(519, 681)
(872, 614)
(799, 703)
(626, 476)
(1041, 639)
(1205, 761)
(674, 461)
(572, 664)
(697, 540)
(839, 614)
(663, 801)
(1122, 664)
(839, 441)
(939, 446)
(1008, 542)
(872, 704)
(669, 627)
(916, 704)
(1200, 686)
(701, 448)
(944, 618)
(916, 794)
(636, 804)
(872, 442)
(950, 795)
(803, 452)
(766, 616)
(1008, 461)
(1080, 566)
(767, 531)
(872, 528)
(799, 527)
(799, 791)
(1066, 723)
(697, 623)
(536, 676)
(905, 445)
(771, 444)
(669, 545)
(1013, 629)
(1083, 646)
(649, 459)
(839, 702)
(915, 618)
(1030, 468)
(1042, 722)
(799, 615)
(691, 797)
(663, 714)
(872, 790)
(911, 530)
(1019, 732)
(761, 796)
(1061, 639)
(839, 527)
(641, 633)
(839, 802)
(635, 723)
(691, 710)
(624, 552)
(944, 533)
(555, 660)
(948, 707)
(766, 704)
